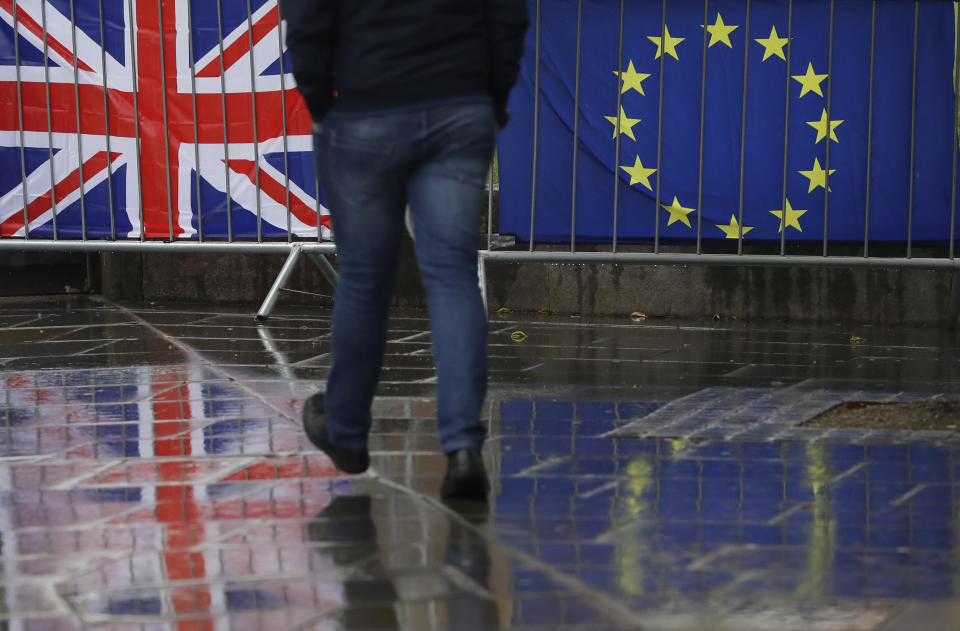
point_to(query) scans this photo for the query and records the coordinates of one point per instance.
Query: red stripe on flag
(24, 19)
(241, 45)
(63, 116)
(278, 193)
(64, 187)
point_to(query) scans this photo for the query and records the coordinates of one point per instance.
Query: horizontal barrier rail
(223, 247)
(720, 259)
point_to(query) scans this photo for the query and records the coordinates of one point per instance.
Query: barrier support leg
(271, 300)
(325, 267)
(954, 301)
(482, 278)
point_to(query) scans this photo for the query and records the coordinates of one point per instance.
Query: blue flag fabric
(826, 105)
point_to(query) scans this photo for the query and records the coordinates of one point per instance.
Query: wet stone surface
(651, 475)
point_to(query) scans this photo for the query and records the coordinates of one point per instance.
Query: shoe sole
(475, 489)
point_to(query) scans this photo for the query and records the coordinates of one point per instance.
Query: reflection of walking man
(405, 98)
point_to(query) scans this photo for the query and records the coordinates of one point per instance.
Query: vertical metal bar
(873, 51)
(536, 126)
(136, 111)
(576, 129)
(743, 130)
(953, 309)
(493, 165)
(106, 125)
(703, 113)
(616, 157)
(316, 183)
(956, 134)
(226, 138)
(196, 130)
(46, 82)
(663, 57)
(826, 168)
(166, 126)
(913, 126)
(256, 137)
(786, 130)
(23, 148)
(286, 154)
(76, 100)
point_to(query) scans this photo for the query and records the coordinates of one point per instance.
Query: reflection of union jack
(187, 166)
(180, 459)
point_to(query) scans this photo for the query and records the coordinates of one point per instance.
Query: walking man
(406, 97)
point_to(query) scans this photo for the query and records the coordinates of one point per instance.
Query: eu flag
(788, 109)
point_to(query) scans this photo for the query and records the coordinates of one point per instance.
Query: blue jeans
(371, 165)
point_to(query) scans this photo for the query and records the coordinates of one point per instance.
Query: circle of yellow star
(625, 124)
(821, 127)
(790, 217)
(677, 212)
(666, 43)
(720, 32)
(810, 81)
(817, 176)
(773, 45)
(639, 174)
(732, 230)
(631, 79)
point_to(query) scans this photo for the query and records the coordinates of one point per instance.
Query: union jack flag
(204, 87)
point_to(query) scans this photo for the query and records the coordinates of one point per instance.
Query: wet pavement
(647, 475)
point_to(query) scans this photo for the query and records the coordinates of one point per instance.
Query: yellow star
(821, 127)
(670, 46)
(677, 212)
(810, 81)
(626, 124)
(631, 79)
(817, 176)
(720, 32)
(791, 217)
(773, 45)
(639, 174)
(732, 230)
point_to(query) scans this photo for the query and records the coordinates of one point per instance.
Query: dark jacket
(367, 55)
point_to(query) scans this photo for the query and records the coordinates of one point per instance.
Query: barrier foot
(325, 267)
(954, 301)
(271, 300)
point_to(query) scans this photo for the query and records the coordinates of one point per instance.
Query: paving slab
(646, 475)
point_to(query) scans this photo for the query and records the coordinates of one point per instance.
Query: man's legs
(364, 180)
(446, 198)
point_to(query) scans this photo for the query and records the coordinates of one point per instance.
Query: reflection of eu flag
(900, 186)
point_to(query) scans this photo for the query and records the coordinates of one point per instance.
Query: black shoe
(315, 426)
(466, 477)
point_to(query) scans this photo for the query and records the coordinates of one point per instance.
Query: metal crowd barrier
(127, 101)
(543, 56)
(218, 75)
